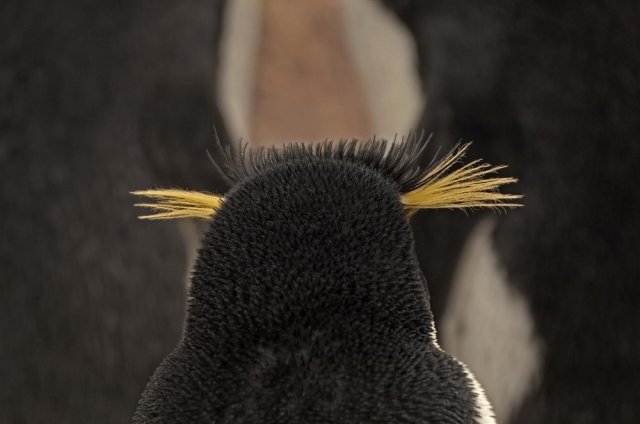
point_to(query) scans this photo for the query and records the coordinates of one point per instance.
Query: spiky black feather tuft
(401, 161)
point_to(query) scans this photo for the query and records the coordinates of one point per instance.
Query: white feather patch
(488, 326)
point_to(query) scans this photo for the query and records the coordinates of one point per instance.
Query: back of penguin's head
(307, 305)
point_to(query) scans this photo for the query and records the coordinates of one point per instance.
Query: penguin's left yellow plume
(176, 203)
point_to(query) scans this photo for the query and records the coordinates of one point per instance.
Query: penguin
(306, 302)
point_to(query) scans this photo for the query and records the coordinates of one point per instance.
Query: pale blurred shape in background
(280, 81)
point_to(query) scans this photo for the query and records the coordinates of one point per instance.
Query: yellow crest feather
(466, 187)
(176, 203)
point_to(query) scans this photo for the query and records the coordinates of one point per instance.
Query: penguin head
(307, 303)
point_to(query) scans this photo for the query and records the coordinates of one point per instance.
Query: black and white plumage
(307, 305)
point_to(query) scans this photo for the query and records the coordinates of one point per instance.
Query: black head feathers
(307, 304)
(399, 161)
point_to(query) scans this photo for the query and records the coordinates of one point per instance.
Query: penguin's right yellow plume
(466, 187)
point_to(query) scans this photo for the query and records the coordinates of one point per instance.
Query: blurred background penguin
(101, 99)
